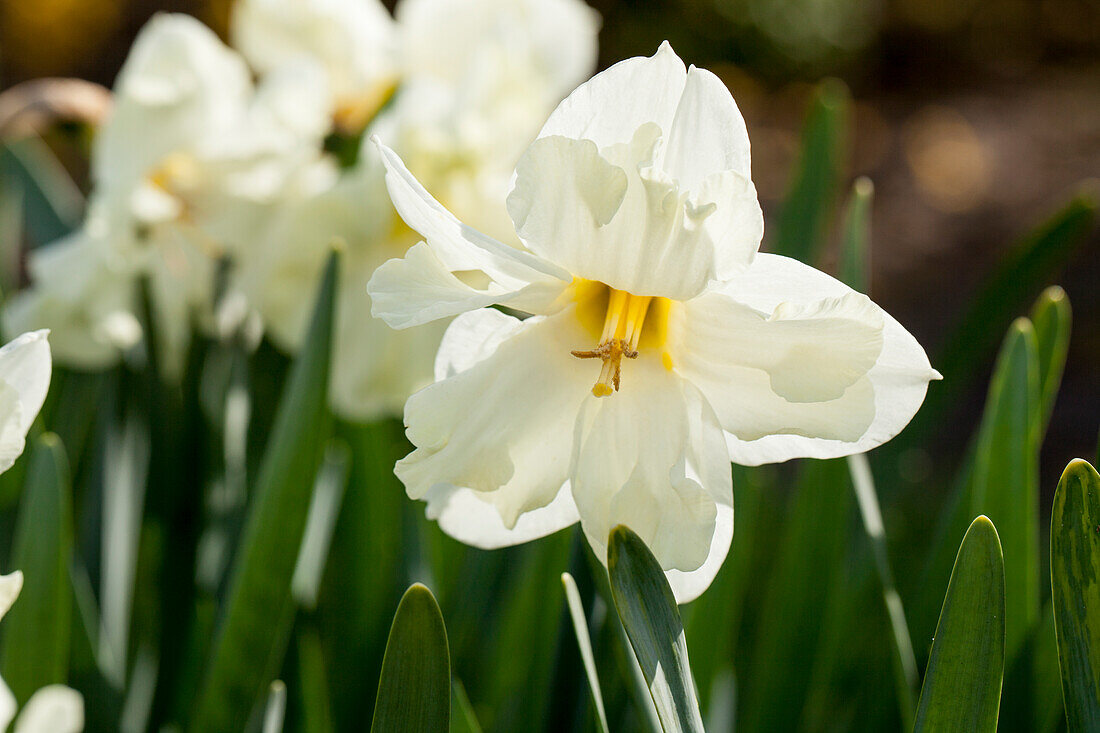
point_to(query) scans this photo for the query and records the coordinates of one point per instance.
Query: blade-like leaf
(36, 632)
(808, 555)
(1075, 585)
(855, 244)
(962, 685)
(414, 690)
(255, 629)
(584, 643)
(905, 663)
(648, 611)
(1030, 266)
(53, 205)
(1052, 317)
(464, 720)
(1005, 485)
(813, 189)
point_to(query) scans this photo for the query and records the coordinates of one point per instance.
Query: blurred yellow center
(629, 322)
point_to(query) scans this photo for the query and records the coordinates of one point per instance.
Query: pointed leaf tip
(1075, 589)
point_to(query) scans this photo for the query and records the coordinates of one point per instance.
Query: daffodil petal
(52, 709)
(687, 586)
(652, 456)
(7, 706)
(25, 365)
(708, 133)
(608, 108)
(403, 291)
(10, 585)
(503, 426)
(465, 515)
(769, 421)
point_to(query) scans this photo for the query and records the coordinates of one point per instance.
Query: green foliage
(652, 622)
(808, 205)
(1075, 585)
(414, 691)
(36, 631)
(962, 685)
(1032, 264)
(1006, 479)
(584, 643)
(254, 633)
(52, 203)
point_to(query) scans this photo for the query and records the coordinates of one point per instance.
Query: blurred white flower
(184, 168)
(661, 346)
(88, 304)
(24, 380)
(461, 126)
(51, 709)
(352, 41)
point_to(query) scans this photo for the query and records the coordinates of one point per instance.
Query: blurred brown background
(974, 118)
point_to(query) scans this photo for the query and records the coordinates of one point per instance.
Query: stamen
(622, 328)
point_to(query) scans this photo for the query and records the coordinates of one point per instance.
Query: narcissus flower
(51, 709)
(25, 368)
(659, 346)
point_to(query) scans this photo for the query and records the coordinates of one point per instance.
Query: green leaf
(809, 554)
(648, 611)
(584, 643)
(365, 574)
(1075, 585)
(464, 720)
(414, 690)
(901, 646)
(53, 204)
(254, 632)
(1031, 265)
(1052, 317)
(313, 679)
(962, 685)
(37, 630)
(1005, 484)
(855, 243)
(809, 202)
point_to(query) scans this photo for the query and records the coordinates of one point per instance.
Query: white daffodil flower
(660, 346)
(186, 166)
(51, 709)
(25, 368)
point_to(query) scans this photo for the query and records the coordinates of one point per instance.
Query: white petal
(611, 106)
(353, 41)
(10, 585)
(708, 133)
(552, 42)
(25, 365)
(403, 292)
(801, 392)
(180, 85)
(7, 706)
(652, 457)
(87, 306)
(52, 709)
(690, 585)
(610, 215)
(466, 516)
(375, 368)
(13, 438)
(504, 426)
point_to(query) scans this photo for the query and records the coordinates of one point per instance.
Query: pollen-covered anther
(621, 330)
